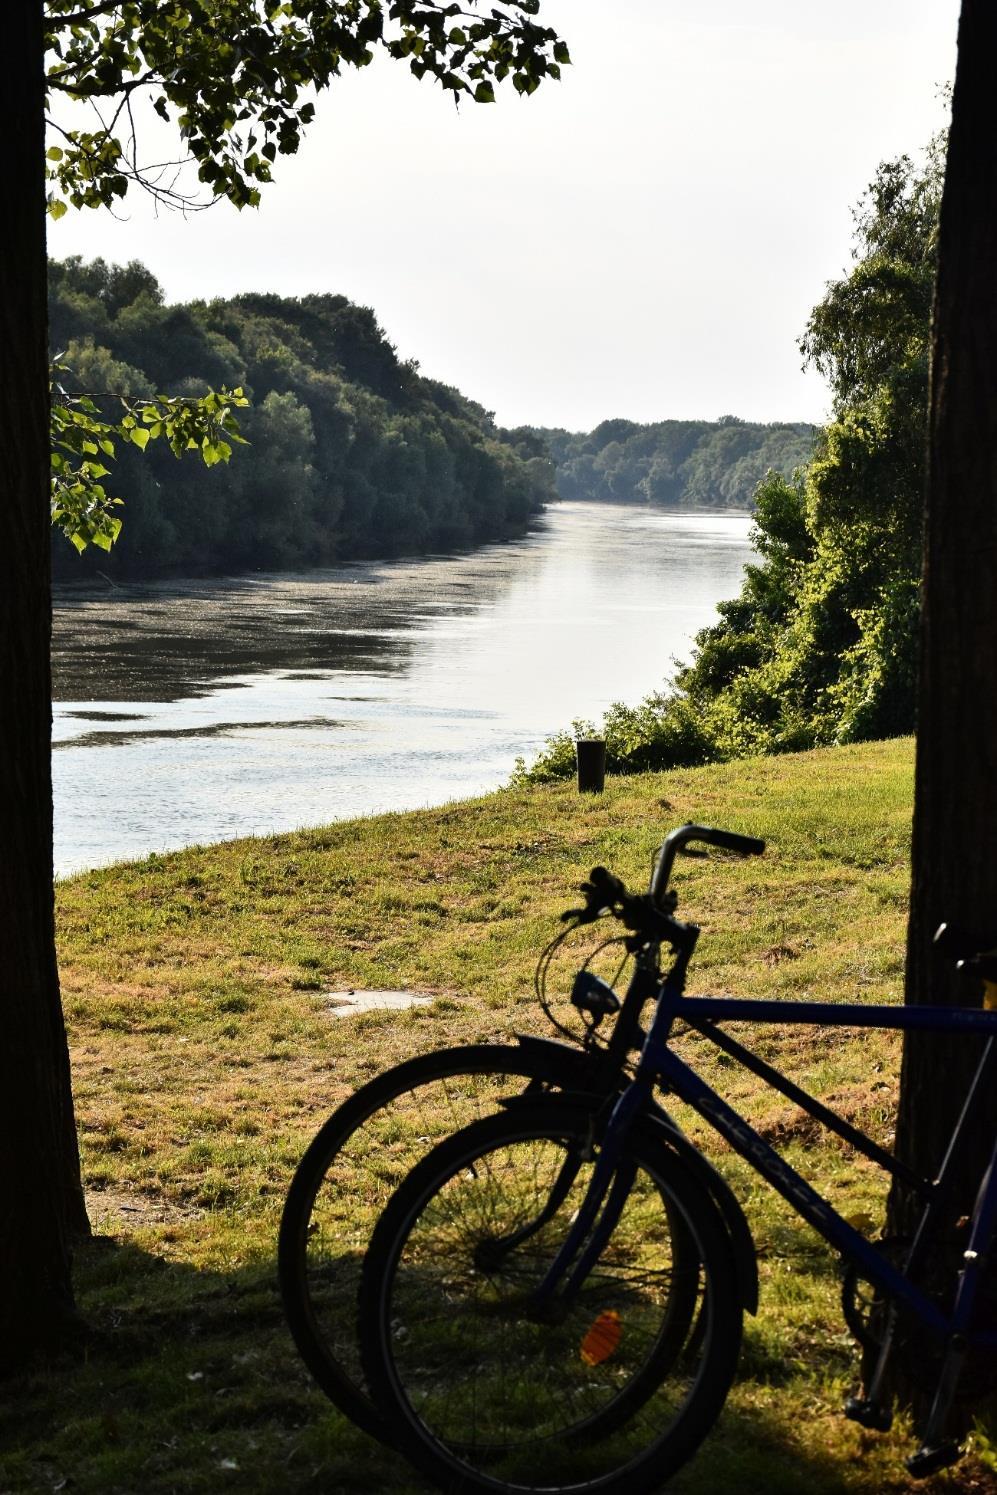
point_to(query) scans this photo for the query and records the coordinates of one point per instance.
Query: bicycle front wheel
(489, 1389)
(352, 1167)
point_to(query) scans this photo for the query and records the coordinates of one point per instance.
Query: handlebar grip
(747, 846)
(729, 840)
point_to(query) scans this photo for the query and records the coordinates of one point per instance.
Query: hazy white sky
(645, 239)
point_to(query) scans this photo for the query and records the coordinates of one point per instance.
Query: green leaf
(139, 436)
(56, 208)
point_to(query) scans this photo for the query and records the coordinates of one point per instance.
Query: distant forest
(690, 464)
(353, 452)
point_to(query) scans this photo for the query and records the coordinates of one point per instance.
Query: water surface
(197, 710)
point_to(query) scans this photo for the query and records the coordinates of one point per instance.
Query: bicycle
(525, 1289)
(368, 1145)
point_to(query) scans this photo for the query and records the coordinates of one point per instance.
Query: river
(192, 711)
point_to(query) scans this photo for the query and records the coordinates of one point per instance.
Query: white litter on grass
(345, 1003)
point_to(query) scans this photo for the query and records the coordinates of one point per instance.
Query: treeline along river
(195, 711)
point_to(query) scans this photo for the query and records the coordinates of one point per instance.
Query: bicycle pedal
(932, 1457)
(868, 1414)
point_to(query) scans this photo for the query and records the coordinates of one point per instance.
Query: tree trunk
(954, 876)
(41, 1200)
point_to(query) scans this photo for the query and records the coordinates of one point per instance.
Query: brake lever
(603, 892)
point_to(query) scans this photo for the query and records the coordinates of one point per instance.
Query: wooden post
(591, 756)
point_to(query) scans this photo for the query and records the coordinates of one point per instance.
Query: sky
(644, 239)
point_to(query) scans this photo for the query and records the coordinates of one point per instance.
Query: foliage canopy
(354, 452)
(236, 79)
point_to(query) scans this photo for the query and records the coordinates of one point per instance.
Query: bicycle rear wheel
(604, 1392)
(350, 1170)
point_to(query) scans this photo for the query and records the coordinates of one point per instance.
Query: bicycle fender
(564, 1061)
(575, 1072)
(723, 1196)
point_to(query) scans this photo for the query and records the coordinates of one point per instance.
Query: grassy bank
(205, 1056)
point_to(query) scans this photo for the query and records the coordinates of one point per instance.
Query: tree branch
(77, 17)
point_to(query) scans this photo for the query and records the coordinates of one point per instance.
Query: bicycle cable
(540, 980)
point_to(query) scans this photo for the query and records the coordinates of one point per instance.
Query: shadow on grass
(191, 1384)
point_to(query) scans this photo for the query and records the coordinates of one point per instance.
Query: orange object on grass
(602, 1339)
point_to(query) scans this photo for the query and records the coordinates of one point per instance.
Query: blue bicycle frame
(659, 1066)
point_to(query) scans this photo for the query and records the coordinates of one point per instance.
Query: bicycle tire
(485, 1395)
(351, 1167)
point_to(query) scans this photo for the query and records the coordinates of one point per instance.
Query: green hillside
(205, 1056)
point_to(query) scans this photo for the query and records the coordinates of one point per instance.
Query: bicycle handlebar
(675, 840)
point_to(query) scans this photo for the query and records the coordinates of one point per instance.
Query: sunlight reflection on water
(197, 710)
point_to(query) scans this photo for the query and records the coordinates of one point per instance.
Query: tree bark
(954, 873)
(41, 1199)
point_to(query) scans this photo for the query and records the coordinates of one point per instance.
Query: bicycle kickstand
(937, 1452)
(873, 1410)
